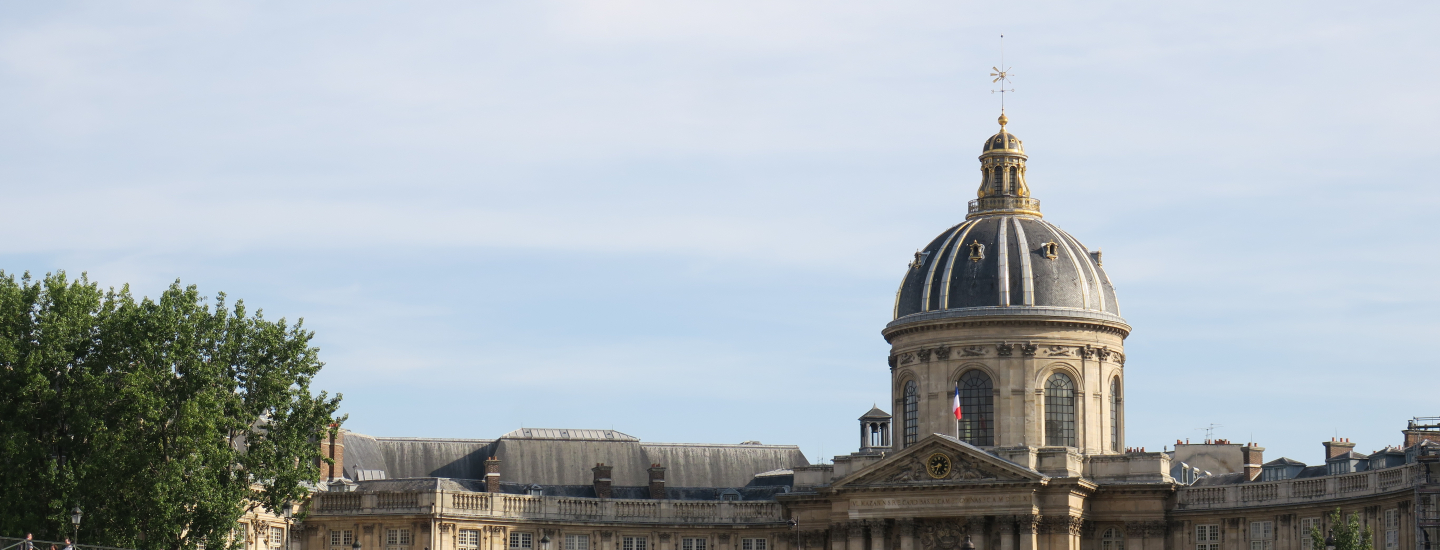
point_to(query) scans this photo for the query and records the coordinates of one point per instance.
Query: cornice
(1014, 316)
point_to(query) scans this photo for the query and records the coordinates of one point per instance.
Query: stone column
(837, 536)
(1025, 528)
(856, 532)
(1005, 531)
(877, 534)
(906, 529)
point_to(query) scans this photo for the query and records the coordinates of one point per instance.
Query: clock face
(938, 465)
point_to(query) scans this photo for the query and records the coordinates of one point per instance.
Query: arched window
(1113, 539)
(912, 412)
(1115, 414)
(1060, 411)
(977, 409)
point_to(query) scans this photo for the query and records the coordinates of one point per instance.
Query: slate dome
(1005, 259)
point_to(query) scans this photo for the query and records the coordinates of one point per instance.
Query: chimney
(602, 480)
(1336, 447)
(657, 481)
(333, 448)
(1253, 457)
(492, 475)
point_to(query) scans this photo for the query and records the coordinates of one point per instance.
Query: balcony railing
(1022, 204)
(1294, 491)
(504, 506)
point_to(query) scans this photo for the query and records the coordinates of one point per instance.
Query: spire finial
(1002, 76)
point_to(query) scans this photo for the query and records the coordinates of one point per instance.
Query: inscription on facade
(969, 500)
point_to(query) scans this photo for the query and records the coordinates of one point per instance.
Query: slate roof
(546, 459)
(1073, 283)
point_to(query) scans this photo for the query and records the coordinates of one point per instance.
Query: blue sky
(686, 220)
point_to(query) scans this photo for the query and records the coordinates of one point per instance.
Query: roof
(1282, 461)
(577, 435)
(875, 413)
(540, 457)
(1006, 265)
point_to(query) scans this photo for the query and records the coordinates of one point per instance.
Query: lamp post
(355, 546)
(75, 520)
(545, 539)
(1330, 540)
(287, 513)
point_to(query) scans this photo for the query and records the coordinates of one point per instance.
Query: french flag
(958, 416)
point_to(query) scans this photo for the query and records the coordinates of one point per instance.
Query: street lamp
(75, 520)
(1330, 540)
(545, 540)
(355, 546)
(287, 513)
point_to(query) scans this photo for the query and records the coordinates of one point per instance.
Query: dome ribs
(1027, 279)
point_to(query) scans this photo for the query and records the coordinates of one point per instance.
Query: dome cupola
(1005, 259)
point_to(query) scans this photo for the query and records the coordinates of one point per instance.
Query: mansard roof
(547, 458)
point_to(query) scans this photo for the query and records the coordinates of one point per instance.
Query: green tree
(1349, 534)
(163, 419)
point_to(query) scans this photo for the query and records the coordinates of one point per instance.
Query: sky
(686, 220)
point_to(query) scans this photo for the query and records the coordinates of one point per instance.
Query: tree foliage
(1350, 534)
(163, 419)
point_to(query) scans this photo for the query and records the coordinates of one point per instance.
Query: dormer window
(977, 251)
(1051, 250)
(534, 490)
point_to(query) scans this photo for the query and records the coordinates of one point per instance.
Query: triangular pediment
(940, 460)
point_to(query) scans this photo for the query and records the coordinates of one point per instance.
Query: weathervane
(1002, 76)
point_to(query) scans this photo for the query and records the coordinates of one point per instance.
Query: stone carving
(942, 352)
(664, 537)
(1103, 353)
(1119, 358)
(445, 527)
(855, 529)
(1060, 525)
(368, 529)
(1088, 530)
(724, 538)
(905, 526)
(1058, 351)
(1026, 523)
(1004, 349)
(906, 358)
(1145, 529)
(943, 534)
(962, 468)
(1028, 349)
(912, 470)
(923, 354)
(972, 351)
(892, 361)
(1087, 352)
(605, 535)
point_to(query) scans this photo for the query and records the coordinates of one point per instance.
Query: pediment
(940, 460)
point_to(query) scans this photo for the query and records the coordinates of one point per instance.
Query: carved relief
(1060, 525)
(923, 354)
(906, 358)
(962, 468)
(892, 361)
(605, 535)
(1028, 349)
(1087, 352)
(1058, 351)
(664, 537)
(368, 529)
(855, 529)
(972, 351)
(942, 352)
(1145, 529)
(724, 538)
(943, 534)
(1103, 353)
(1004, 349)
(1026, 523)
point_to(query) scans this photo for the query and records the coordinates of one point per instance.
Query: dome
(1005, 259)
(1004, 141)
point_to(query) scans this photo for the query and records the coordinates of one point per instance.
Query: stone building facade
(1004, 314)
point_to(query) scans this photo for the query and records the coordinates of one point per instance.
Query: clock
(938, 465)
